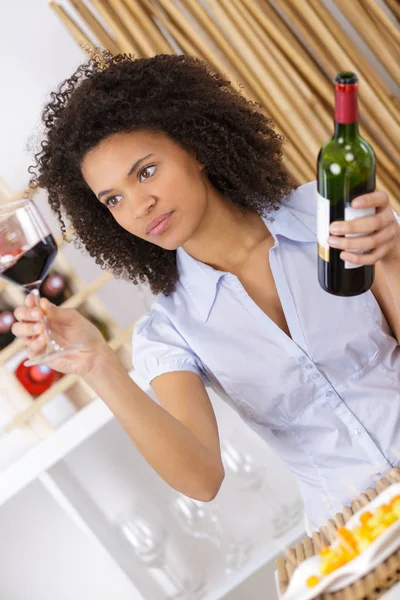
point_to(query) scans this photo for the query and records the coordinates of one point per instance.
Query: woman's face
(154, 189)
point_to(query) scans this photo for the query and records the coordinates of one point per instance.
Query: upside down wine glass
(27, 250)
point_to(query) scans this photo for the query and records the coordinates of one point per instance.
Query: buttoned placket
(328, 392)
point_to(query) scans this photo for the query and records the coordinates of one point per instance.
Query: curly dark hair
(180, 96)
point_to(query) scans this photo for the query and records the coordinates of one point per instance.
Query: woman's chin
(169, 242)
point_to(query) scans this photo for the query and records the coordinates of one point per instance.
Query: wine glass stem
(35, 293)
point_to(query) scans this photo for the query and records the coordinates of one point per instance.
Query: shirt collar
(201, 281)
(296, 217)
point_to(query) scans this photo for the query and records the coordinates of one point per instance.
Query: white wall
(36, 53)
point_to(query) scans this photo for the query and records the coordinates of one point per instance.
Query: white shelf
(49, 451)
(261, 557)
(89, 420)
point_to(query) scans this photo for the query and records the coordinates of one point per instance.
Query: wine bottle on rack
(7, 320)
(346, 168)
(36, 379)
(56, 288)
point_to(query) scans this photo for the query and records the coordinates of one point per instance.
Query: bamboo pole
(202, 44)
(143, 41)
(284, 39)
(301, 172)
(380, 121)
(394, 7)
(293, 163)
(280, 68)
(72, 27)
(251, 81)
(59, 387)
(184, 42)
(391, 102)
(150, 29)
(357, 14)
(98, 30)
(121, 37)
(265, 30)
(291, 159)
(386, 24)
(282, 108)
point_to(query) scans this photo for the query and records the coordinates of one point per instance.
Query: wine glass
(27, 250)
(284, 515)
(149, 540)
(202, 521)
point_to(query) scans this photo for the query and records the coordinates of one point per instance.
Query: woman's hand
(67, 326)
(380, 233)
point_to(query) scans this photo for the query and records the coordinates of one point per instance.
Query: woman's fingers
(36, 346)
(22, 313)
(27, 330)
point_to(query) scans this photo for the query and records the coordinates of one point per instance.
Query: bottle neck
(348, 131)
(346, 111)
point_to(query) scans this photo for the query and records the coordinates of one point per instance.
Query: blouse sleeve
(157, 348)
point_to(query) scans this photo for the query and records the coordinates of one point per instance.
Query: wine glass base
(51, 355)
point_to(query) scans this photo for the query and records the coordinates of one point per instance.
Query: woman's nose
(143, 206)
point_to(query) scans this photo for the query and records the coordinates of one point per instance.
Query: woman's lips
(158, 225)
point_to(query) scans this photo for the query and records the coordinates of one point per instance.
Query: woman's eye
(109, 202)
(147, 169)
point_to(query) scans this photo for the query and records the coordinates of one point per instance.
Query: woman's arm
(180, 441)
(378, 240)
(386, 288)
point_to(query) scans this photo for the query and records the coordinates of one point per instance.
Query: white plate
(380, 549)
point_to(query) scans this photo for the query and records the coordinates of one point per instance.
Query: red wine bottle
(7, 320)
(36, 379)
(345, 170)
(56, 288)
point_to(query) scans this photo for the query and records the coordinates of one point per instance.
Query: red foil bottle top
(40, 373)
(36, 379)
(346, 105)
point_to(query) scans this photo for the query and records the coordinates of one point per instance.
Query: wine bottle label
(323, 222)
(351, 213)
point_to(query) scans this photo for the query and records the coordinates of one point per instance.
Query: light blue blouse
(327, 400)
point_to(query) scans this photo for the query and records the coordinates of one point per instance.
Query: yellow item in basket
(313, 581)
(350, 543)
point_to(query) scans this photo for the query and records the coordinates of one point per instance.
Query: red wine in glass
(34, 264)
(27, 250)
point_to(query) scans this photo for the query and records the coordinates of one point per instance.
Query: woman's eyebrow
(131, 170)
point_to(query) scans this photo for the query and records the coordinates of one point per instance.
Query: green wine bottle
(346, 169)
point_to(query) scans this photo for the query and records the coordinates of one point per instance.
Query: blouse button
(329, 393)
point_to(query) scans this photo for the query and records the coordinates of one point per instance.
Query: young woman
(171, 177)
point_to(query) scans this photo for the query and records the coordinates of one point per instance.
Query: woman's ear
(200, 164)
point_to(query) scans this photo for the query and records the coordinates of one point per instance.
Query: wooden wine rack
(26, 409)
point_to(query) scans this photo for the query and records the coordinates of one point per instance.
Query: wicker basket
(371, 586)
